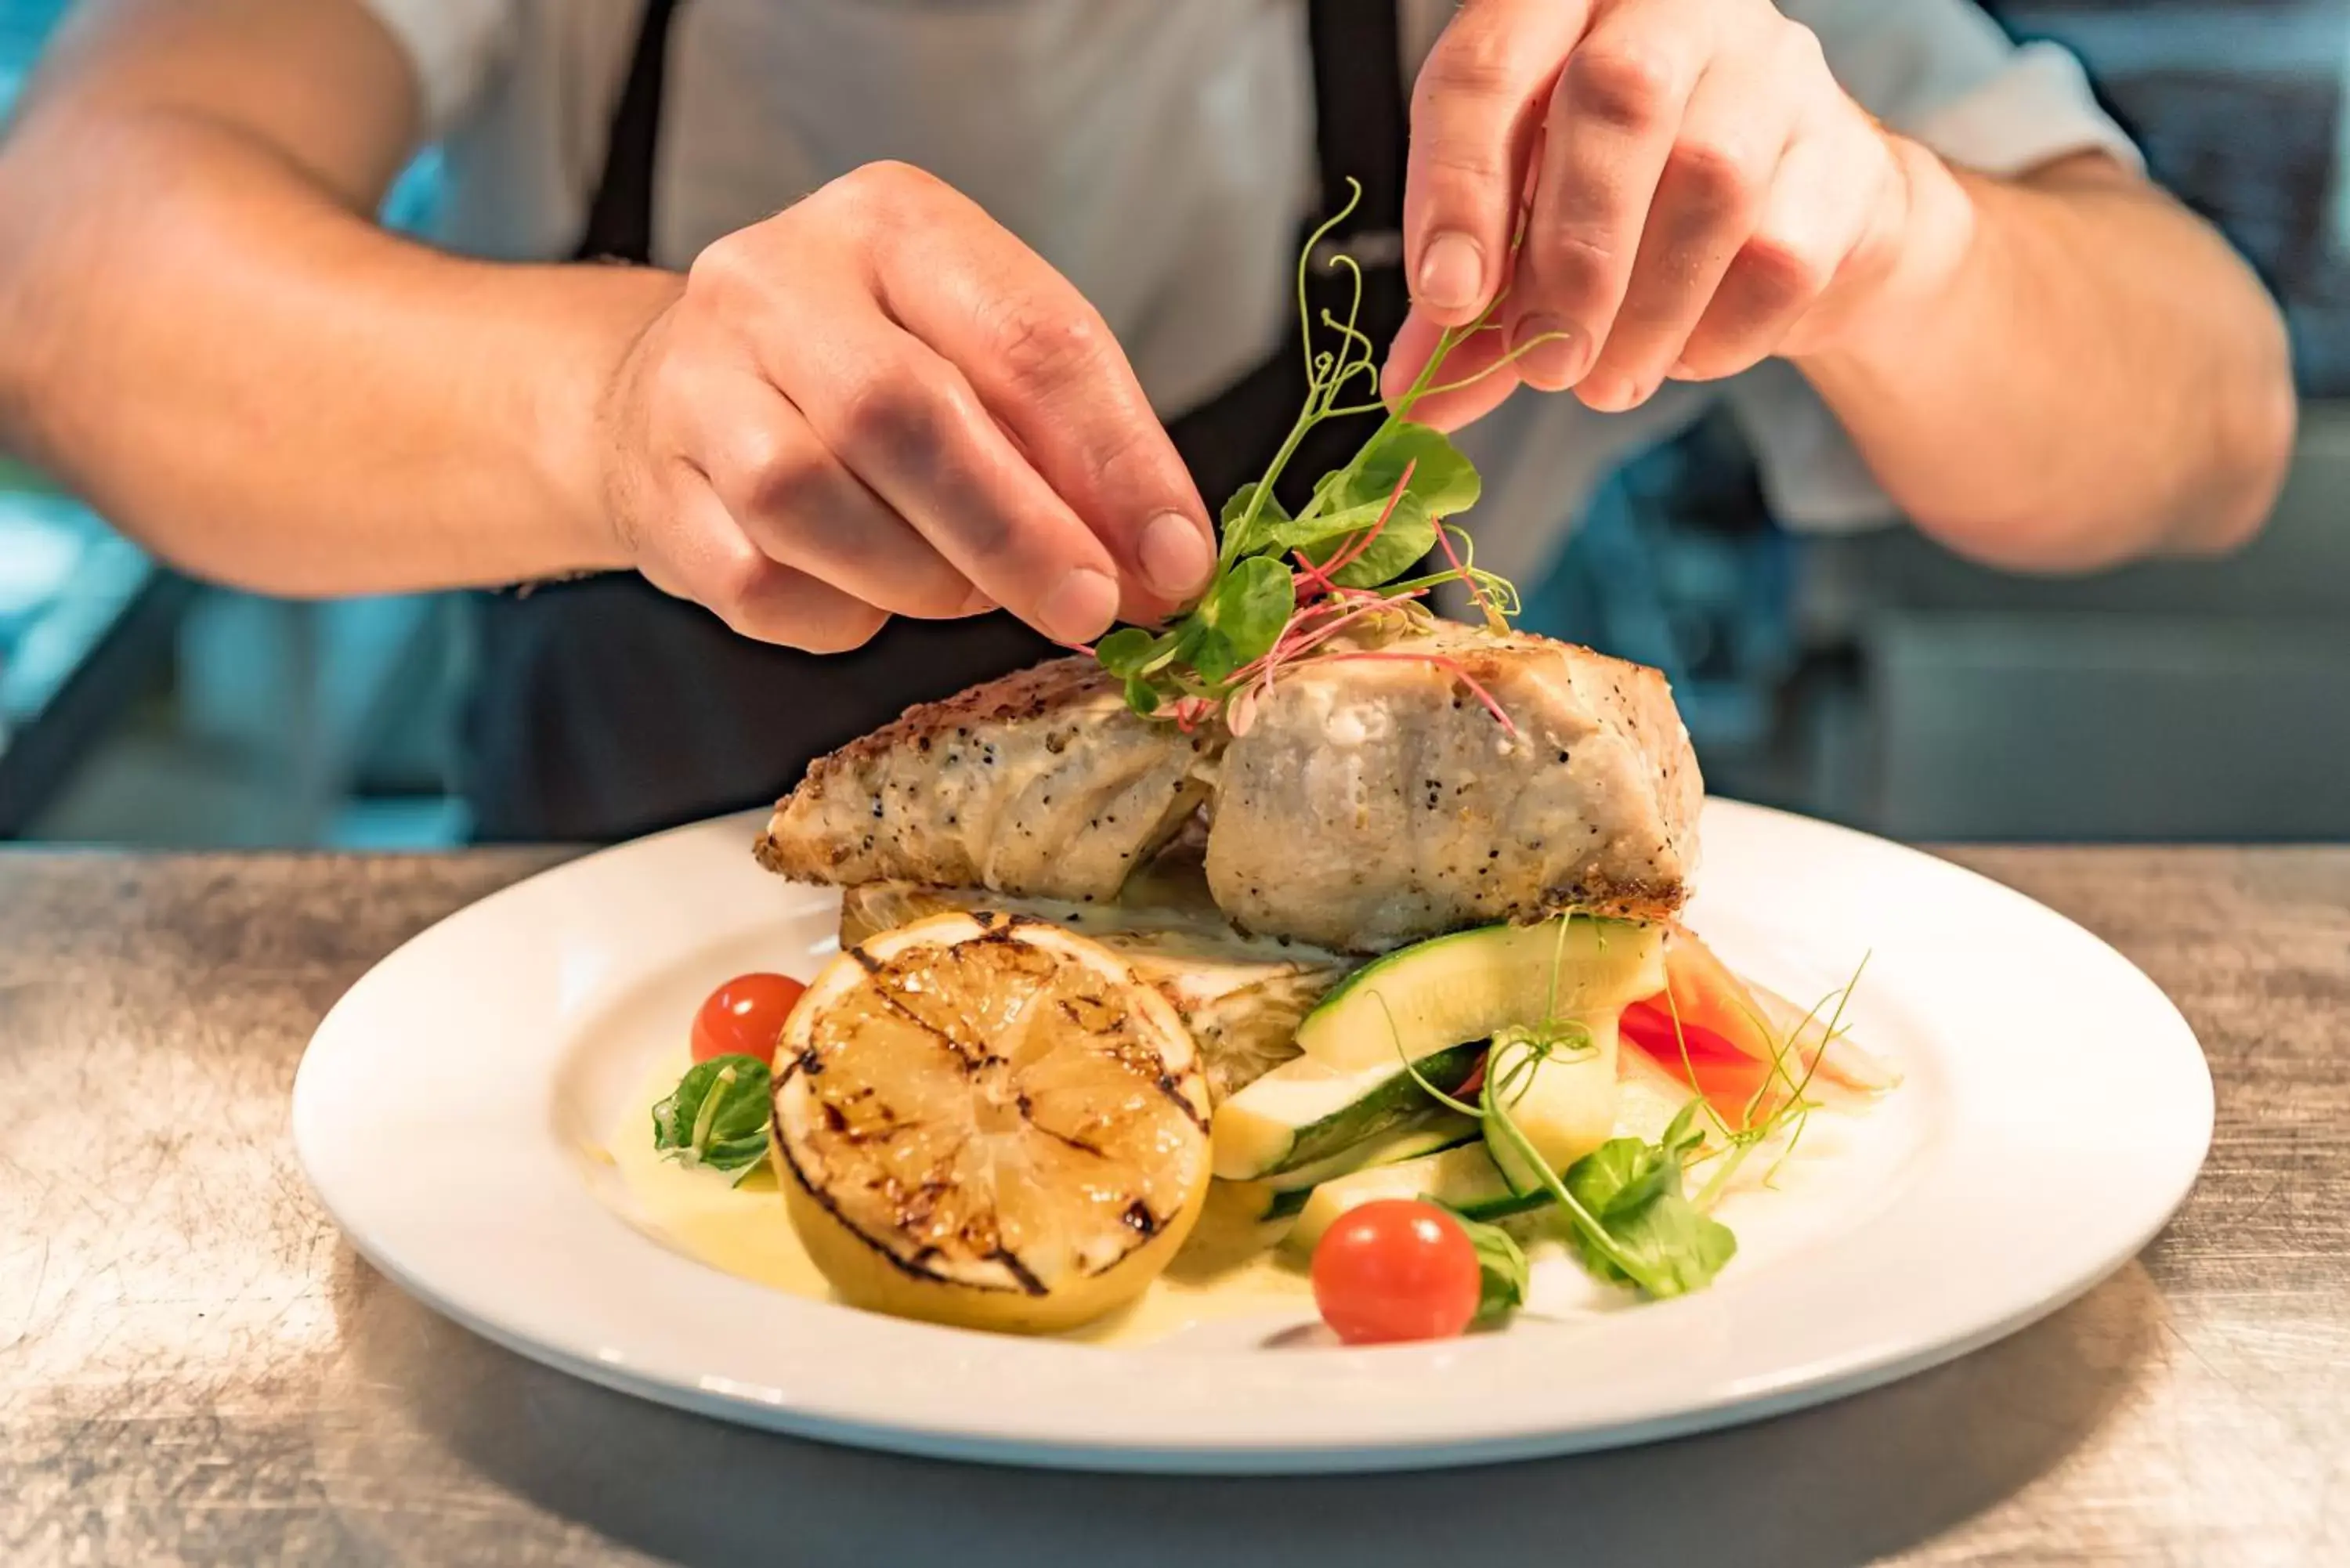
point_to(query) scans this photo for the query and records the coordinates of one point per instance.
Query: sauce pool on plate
(1224, 1273)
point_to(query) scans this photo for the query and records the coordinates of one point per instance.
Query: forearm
(2093, 376)
(267, 390)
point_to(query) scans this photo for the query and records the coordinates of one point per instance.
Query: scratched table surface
(194, 1368)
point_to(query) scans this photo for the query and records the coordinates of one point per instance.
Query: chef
(775, 345)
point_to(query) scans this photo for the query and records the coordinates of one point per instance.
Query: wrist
(1926, 239)
(587, 437)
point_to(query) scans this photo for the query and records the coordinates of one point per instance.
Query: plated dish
(1278, 1041)
(2053, 1110)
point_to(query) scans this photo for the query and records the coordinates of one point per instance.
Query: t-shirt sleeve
(453, 45)
(1943, 72)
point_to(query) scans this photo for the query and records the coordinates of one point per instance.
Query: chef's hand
(1697, 194)
(878, 402)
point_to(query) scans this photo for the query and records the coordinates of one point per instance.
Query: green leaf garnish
(1367, 525)
(1125, 652)
(1634, 1191)
(1502, 1269)
(717, 1115)
(1236, 624)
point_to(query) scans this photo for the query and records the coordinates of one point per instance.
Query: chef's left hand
(1698, 192)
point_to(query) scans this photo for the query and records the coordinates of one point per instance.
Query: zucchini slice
(1464, 1178)
(1281, 1196)
(1565, 1105)
(1439, 994)
(1305, 1112)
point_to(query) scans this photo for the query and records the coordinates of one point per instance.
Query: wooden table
(193, 1368)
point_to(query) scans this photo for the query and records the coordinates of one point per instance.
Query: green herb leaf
(1126, 650)
(1634, 1190)
(1269, 514)
(1409, 533)
(1240, 619)
(1233, 625)
(1501, 1267)
(1442, 480)
(717, 1115)
(1351, 500)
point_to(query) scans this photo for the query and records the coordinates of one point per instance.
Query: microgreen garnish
(1755, 1126)
(1328, 582)
(717, 1115)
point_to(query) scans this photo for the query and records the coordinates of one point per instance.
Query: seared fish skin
(1042, 782)
(1372, 802)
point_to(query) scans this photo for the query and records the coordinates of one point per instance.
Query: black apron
(602, 708)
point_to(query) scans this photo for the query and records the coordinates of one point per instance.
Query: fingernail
(1451, 273)
(1080, 606)
(1550, 365)
(1176, 556)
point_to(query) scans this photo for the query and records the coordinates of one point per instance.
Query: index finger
(1048, 368)
(1475, 112)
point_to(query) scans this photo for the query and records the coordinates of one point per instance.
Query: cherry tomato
(1396, 1270)
(744, 1016)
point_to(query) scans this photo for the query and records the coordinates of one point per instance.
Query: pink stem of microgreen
(1363, 540)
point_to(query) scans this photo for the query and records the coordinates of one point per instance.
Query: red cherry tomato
(744, 1016)
(1395, 1270)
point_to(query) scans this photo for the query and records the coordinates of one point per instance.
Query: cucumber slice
(1463, 1178)
(1438, 993)
(1305, 1111)
(1566, 1105)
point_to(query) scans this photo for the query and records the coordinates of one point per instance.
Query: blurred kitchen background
(1871, 678)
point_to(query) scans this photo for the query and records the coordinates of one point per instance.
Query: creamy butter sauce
(1226, 1271)
(1229, 1280)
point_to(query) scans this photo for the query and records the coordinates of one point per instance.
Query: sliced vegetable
(1306, 1111)
(1282, 1196)
(1728, 1077)
(1563, 1101)
(1472, 985)
(1719, 1016)
(1444, 1129)
(1397, 1270)
(1464, 1180)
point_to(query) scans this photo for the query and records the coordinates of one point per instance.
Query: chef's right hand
(879, 403)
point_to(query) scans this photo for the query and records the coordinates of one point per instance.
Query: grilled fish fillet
(1374, 803)
(1040, 783)
(1369, 802)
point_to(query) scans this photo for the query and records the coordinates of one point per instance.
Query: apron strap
(619, 225)
(1362, 131)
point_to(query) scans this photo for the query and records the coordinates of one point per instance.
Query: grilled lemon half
(987, 1120)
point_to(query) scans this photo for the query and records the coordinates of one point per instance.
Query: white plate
(2056, 1112)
